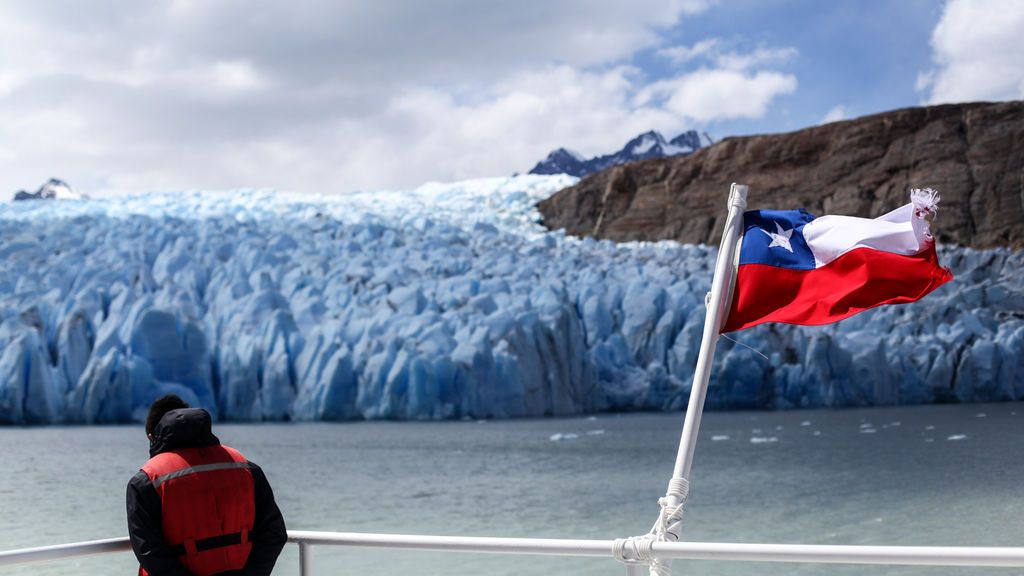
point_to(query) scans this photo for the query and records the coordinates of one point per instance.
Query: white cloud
(683, 54)
(713, 51)
(976, 47)
(505, 128)
(236, 76)
(836, 114)
(340, 96)
(759, 57)
(730, 84)
(719, 94)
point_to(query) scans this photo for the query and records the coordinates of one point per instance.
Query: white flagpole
(718, 302)
(718, 308)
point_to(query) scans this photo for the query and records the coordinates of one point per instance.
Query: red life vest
(208, 506)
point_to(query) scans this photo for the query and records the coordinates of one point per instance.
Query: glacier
(447, 301)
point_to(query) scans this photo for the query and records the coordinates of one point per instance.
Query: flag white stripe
(898, 232)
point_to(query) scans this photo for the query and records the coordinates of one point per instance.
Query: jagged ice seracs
(447, 301)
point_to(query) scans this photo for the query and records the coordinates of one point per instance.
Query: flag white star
(780, 238)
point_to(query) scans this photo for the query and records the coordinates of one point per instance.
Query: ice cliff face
(448, 301)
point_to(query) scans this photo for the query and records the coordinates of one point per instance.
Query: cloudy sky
(330, 96)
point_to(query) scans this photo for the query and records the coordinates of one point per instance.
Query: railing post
(636, 569)
(305, 559)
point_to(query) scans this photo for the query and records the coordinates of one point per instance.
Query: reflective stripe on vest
(196, 469)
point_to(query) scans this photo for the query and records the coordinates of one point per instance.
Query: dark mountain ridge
(972, 153)
(52, 189)
(650, 144)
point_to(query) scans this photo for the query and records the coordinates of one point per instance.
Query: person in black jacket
(198, 507)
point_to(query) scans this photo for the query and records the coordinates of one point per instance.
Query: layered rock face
(973, 154)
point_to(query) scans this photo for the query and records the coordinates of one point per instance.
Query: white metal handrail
(797, 553)
(64, 551)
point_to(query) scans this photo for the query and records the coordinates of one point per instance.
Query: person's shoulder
(138, 480)
(254, 466)
(258, 475)
(234, 452)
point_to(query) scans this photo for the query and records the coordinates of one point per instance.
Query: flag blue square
(775, 238)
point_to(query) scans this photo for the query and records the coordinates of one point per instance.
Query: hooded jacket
(183, 430)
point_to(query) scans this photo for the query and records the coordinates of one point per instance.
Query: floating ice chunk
(560, 436)
(957, 437)
(763, 439)
(595, 432)
(719, 437)
(868, 430)
(805, 423)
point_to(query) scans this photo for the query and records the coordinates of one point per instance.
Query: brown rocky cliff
(973, 154)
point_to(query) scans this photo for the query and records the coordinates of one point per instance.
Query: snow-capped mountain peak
(650, 144)
(562, 161)
(646, 143)
(52, 189)
(572, 154)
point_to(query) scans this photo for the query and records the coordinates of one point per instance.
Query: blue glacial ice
(448, 301)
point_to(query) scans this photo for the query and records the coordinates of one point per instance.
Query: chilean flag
(798, 269)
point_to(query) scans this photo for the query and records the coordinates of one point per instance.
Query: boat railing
(795, 553)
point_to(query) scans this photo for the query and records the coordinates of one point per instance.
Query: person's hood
(182, 428)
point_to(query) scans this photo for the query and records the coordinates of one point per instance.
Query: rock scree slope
(973, 154)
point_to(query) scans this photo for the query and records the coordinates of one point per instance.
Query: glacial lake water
(930, 475)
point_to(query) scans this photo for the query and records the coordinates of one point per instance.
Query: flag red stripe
(856, 281)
